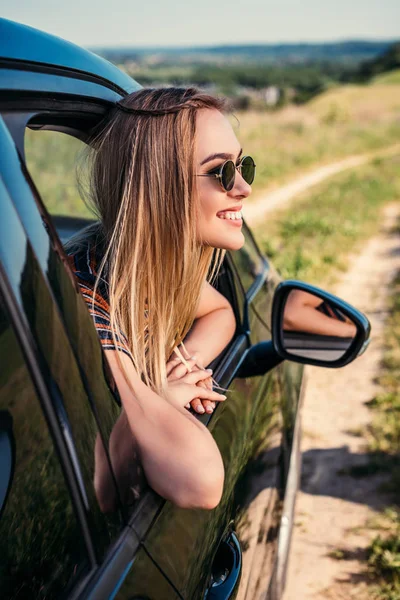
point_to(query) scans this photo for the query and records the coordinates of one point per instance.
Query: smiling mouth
(230, 215)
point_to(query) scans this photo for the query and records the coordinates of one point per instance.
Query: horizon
(325, 42)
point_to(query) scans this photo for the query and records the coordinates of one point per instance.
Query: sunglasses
(226, 173)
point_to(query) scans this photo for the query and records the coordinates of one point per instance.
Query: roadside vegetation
(341, 122)
(384, 441)
(312, 240)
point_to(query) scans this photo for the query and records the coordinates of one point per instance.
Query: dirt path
(254, 212)
(333, 506)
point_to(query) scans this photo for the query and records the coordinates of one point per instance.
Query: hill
(351, 51)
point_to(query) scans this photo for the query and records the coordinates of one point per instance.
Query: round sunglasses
(226, 173)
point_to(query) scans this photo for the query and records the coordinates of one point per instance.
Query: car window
(248, 260)
(52, 159)
(42, 553)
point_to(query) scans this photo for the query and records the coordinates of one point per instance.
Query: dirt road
(333, 506)
(256, 211)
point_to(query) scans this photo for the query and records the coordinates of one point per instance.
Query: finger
(197, 376)
(197, 405)
(208, 406)
(171, 364)
(204, 394)
(179, 370)
(206, 383)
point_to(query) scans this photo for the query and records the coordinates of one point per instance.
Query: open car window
(52, 159)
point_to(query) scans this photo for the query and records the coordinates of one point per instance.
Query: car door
(48, 550)
(266, 554)
(248, 429)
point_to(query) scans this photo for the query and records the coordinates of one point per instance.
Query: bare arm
(213, 328)
(301, 315)
(179, 456)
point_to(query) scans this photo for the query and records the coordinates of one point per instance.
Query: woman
(167, 193)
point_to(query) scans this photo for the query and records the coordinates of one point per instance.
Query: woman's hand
(177, 371)
(185, 390)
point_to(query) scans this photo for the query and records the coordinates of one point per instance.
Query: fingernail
(209, 409)
(209, 370)
(200, 408)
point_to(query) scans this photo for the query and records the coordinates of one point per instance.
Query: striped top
(84, 263)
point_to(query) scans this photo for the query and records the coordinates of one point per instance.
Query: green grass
(384, 556)
(390, 78)
(312, 239)
(341, 122)
(384, 438)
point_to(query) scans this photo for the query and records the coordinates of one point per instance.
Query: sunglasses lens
(228, 175)
(248, 169)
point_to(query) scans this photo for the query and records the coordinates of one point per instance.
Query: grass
(341, 122)
(383, 437)
(313, 240)
(384, 556)
(390, 78)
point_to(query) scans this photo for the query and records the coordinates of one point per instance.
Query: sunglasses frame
(237, 168)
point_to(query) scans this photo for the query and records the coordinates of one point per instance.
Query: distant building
(272, 95)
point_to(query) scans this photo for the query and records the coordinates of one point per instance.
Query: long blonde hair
(142, 183)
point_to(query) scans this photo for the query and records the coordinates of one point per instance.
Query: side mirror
(314, 327)
(309, 326)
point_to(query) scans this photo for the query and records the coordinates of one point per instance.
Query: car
(61, 429)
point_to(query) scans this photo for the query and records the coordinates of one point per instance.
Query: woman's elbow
(203, 490)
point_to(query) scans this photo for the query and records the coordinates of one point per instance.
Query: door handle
(226, 570)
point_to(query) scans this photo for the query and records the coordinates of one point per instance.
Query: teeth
(232, 215)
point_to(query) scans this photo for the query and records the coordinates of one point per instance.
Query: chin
(233, 242)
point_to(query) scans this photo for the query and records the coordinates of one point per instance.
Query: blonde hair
(142, 182)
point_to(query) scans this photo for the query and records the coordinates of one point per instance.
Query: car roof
(23, 45)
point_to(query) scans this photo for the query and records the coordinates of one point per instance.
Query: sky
(207, 22)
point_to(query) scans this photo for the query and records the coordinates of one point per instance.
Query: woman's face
(218, 223)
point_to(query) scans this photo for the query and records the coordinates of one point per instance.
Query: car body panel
(28, 45)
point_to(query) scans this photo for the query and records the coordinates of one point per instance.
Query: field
(341, 122)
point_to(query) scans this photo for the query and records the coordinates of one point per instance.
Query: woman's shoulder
(85, 252)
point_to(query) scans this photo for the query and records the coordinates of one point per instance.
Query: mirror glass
(316, 329)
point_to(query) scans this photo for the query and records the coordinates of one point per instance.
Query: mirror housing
(328, 333)
(346, 336)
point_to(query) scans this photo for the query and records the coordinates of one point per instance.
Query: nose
(241, 189)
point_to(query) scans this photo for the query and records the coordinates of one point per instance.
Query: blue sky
(176, 22)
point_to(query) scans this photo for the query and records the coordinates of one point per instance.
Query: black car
(59, 410)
